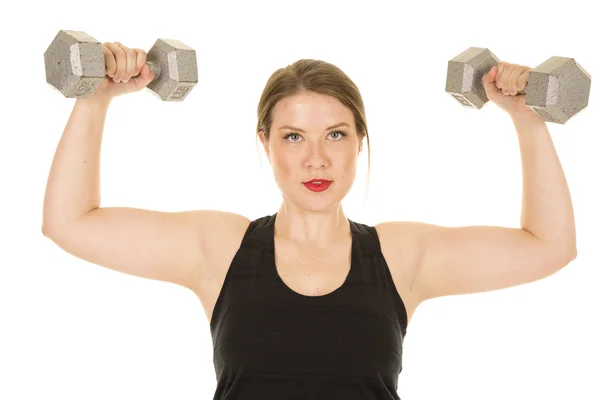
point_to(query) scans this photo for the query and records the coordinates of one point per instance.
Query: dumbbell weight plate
(75, 64)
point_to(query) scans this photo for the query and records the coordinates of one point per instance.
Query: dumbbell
(556, 90)
(75, 66)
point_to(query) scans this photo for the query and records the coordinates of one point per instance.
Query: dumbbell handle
(154, 67)
(523, 91)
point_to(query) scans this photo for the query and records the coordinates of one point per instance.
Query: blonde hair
(314, 76)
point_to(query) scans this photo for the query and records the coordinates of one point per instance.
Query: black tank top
(272, 343)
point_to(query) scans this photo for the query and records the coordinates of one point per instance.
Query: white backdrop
(74, 330)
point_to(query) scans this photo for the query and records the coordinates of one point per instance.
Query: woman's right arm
(166, 246)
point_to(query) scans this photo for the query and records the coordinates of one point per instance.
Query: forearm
(73, 186)
(547, 210)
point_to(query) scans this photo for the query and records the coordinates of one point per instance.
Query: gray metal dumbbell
(556, 90)
(75, 66)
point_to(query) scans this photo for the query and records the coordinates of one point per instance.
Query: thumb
(489, 81)
(490, 77)
(145, 76)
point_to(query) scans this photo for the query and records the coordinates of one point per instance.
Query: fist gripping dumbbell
(556, 90)
(75, 66)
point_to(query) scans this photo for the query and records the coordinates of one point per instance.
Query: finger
(523, 79)
(141, 56)
(109, 59)
(121, 61)
(513, 79)
(501, 67)
(130, 57)
(505, 77)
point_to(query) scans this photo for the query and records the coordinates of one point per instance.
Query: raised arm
(166, 246)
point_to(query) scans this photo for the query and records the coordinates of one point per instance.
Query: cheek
(283, 165)
(347, 165)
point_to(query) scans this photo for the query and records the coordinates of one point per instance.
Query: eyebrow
(300, 130)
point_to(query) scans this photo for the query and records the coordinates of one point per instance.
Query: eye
(340, 134)
(291, 134)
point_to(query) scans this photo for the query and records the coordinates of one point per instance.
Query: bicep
(472, 259)
(163, 246)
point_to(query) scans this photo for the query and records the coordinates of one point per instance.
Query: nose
(317, 156)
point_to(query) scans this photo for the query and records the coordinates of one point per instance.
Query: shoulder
(403, 245)
(225, 231)
(405, 238)
(409, 233)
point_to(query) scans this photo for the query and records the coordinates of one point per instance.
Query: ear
(265, 144)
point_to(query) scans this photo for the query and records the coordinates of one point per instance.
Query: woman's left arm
(470, 259)
(547, 210)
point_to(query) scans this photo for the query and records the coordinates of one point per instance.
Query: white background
(74, 330)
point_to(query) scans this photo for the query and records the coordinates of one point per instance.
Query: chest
(317, 272)
(313, 271)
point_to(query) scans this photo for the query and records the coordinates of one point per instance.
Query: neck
(312, 228)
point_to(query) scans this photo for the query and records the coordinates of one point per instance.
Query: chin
(317, 202)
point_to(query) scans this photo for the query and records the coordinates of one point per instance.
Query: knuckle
(121, 45)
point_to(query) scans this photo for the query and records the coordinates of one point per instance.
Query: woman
(306, 303)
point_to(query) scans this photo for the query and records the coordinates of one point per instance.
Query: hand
(123, 64)
(503, 82)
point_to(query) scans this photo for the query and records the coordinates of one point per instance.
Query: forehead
(309, 108)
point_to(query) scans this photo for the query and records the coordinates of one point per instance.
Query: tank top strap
(259, 234)
(368, 240)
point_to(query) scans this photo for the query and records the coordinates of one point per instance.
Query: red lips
(317, 187)
(317, 180)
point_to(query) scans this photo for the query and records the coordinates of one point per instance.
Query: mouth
(317, 185)
(317, 181)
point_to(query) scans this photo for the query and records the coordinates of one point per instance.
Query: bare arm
(154, 245)
(471, 259)
(167, 246)
(73, 187)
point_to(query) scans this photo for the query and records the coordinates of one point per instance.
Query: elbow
(571, 253)
(568, 255)
(46, 232)
(48, 228)
(47, 223)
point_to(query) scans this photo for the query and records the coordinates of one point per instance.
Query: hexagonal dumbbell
(556, 90)
(75, 66)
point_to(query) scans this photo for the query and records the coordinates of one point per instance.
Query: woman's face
(303, 146)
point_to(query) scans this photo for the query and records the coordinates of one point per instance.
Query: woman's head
(296, 112)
